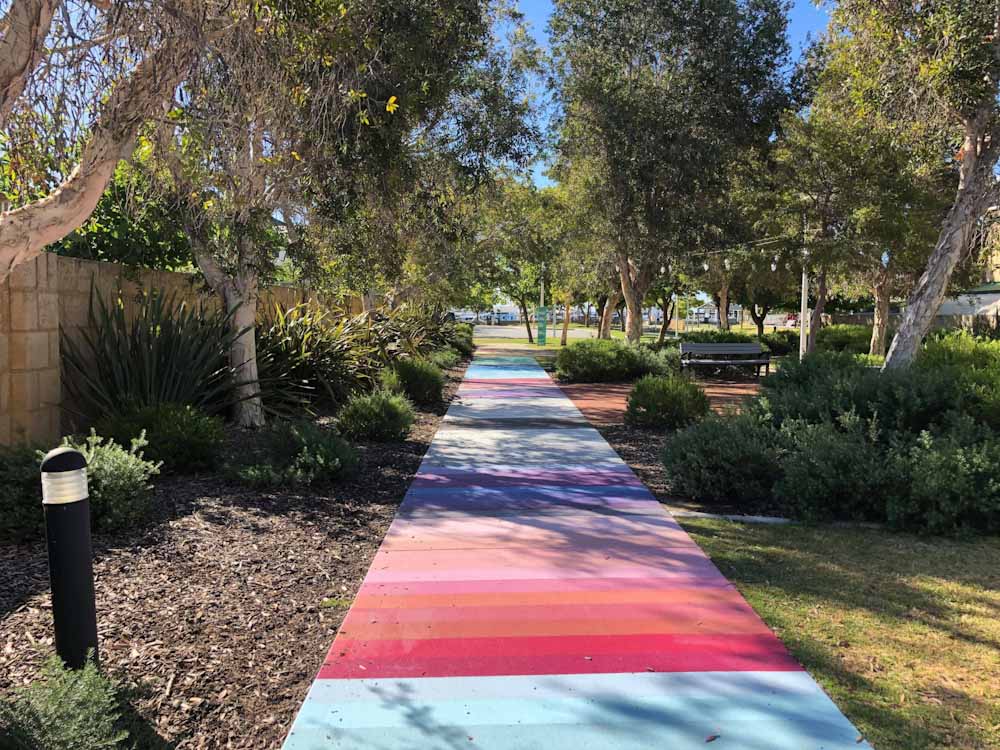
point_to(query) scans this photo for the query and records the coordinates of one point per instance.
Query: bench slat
(725, 362)
(687, 348)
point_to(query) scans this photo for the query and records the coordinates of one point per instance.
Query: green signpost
(542, 316)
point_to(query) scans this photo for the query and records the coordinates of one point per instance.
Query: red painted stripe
(453, 657)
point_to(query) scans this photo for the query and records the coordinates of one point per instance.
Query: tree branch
(25, 231)
(27, 24)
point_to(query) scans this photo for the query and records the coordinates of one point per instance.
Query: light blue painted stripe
(749, 710)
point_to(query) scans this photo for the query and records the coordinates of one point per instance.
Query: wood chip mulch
(217, 617)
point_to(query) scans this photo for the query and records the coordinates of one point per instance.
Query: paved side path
(532, 595)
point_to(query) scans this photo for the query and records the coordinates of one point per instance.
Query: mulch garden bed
(217, 616)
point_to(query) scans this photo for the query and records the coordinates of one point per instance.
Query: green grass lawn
(903, 632)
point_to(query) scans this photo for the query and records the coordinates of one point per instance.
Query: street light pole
(804, 311)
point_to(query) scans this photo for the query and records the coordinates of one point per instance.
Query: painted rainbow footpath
(531, 594)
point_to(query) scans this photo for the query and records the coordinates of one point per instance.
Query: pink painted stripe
(507, 477)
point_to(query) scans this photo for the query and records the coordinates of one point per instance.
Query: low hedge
(182, 438)
(610, 360)
(844, 337)
(421, 380)
(669, 402)
(295, 454)
(830, 438)
(381, 416)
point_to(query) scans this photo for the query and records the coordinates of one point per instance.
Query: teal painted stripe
(751, 710)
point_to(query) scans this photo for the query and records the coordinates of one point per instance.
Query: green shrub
(952, 486)
(974, 364)
(730, 459)
(421, 379)
(21, 516)
(461, 338)
(716, 336)
(446, 358)
(832, 471)
(842, 337)
(182, 438)
(662, 361)
(296, 454)
(671, 402)
(781, 342)
(164, 352)
(410, 332)
(390, 381)
(828, 385)
(118, 479)
(307, 361)
(63, 710)
(380, 416)
(598, 361)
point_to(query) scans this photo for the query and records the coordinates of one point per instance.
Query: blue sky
(805, 18)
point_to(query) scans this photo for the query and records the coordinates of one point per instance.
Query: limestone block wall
(30, 385)
(49, 297)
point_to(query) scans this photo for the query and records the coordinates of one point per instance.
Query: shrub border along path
(531, 593)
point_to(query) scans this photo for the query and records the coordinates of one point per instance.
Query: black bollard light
(71, 569)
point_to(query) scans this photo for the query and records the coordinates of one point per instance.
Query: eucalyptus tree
(662, 96)
(936, 63)
(518, 243)
(315, 122)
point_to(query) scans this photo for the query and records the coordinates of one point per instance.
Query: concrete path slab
(531, 593)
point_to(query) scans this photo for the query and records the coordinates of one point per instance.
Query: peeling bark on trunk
(240, 296)
(608, 314)
(723, 303)
(980, 151)
(635, 283)
(527, 320)
(880, 321)
(816, 318)
(28, 23)
(26, 231)
(565, 330)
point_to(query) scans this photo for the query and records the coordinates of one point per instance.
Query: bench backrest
(687, 348)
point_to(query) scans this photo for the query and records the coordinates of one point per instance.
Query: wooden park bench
(726, 355)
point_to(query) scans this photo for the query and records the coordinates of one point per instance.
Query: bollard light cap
(64, 477)
(63, 459)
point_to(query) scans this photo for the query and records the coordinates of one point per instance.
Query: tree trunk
(622, 317)
(249, 410)
(607, 315)
(668, 314)
(27, 230)
(723, 302)
(980, 151)
(368, 301)
(635, 284)
(565, 330)
(816, 319)
(880, 321)
(527, 320)
(586, 317)
(759, 318)
(240, 298)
